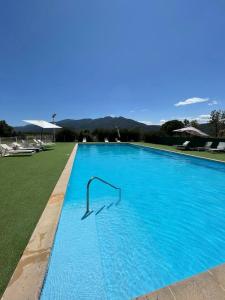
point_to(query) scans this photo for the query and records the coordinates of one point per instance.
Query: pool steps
(88, 193)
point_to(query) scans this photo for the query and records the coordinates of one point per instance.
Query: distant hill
(105, 123)
(91, 124)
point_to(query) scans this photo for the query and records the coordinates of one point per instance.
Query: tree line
(98, 135)
(216, 125)
(5, 129)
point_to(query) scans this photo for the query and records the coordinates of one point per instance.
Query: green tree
(217, 120)
(194, 123)
(85, 134)
(66, 135)
(5, 129)
(134, 135)
(186, 122)
(170, 126)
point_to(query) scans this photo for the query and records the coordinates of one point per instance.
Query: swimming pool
(169, 224)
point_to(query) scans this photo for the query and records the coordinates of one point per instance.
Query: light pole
(53, 122)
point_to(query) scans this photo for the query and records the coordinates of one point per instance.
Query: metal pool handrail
(88, 194)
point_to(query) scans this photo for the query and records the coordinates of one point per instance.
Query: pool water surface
(169, 224)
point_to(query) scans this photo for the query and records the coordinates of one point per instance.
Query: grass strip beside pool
(205, 154)
(26, 184)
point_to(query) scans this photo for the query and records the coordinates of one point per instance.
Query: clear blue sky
(91, 58)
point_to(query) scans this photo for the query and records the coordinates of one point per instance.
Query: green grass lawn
(25, 186)
(218, 156)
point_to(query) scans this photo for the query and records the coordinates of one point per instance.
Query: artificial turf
(205, 154)
(25, 187)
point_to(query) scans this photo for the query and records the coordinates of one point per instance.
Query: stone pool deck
(209, 285)
(27, 279)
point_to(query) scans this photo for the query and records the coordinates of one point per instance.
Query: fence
(155, 139)
(25, 138)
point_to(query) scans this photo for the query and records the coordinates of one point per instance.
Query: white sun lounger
(36, 142)
(46, 144)
(204, 148)
(43, 145)
(185, 146)
(9, 151)
(106, 140)
(220, 148)
(21, 147)
(84, 140)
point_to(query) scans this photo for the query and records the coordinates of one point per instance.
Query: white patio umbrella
(42, 124)
(191, 130)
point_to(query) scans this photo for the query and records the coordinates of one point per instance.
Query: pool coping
(28, 277)
(208, 285)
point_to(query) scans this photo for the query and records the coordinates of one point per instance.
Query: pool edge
(28, 277)
(205, 285)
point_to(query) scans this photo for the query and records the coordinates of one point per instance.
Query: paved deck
(209, 285)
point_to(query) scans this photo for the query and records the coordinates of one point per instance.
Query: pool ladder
(88, 192)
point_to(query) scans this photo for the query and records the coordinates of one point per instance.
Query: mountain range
(104, 123)
(91, 124)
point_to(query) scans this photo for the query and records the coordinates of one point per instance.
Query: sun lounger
(204, 148)
(17, 146)
(26, 144)
(9, 151)
(36, 142)
(42, 145)
(106, 140)
(220, 148)
(84, 140)
(185, 146)
(46, 144)
(118, 141)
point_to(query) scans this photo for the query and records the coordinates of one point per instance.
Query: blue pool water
(169, 225)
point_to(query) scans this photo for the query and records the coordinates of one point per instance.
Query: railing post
(88, 192)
